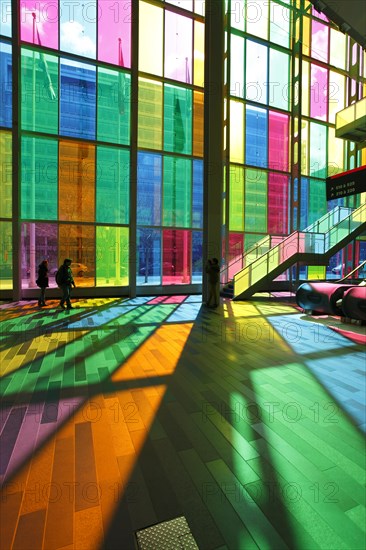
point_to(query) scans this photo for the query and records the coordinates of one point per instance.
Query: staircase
(312, 246)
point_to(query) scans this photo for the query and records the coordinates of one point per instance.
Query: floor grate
(174, 534)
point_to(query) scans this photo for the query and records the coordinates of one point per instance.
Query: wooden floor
(247, 419)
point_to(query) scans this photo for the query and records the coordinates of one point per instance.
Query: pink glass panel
(277, 204)
(319, 41)
(176, 257)
(318, 92)
(236, 245)
(114, 31)
(278, 141)
(178, 47)
(39, 22)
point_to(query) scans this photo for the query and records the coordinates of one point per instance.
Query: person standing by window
(213, 271)
(65, 281)
(42, 282)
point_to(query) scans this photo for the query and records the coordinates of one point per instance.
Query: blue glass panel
(256, 137)
(148, 256)
(148, 188)
(197, 201)
(5, 83)
(78, 96)
(197, 256)
(304, 197)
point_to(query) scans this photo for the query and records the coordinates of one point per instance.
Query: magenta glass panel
(38, 242)
(318, 92)
(39, 22)
(114, 31)
(236, 247)
(319, 14)
(178, 47)
(278, 187)
(319, 41)
(278, 141)
(176, 257)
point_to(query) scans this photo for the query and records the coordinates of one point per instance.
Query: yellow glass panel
(236, 132)
(306, 36)
(335, 154)
(199, 56)
(150, 114)
(76, 181)
(316, 272)
(337, 54)
(336, 95)
(150, 39)
(198, 109)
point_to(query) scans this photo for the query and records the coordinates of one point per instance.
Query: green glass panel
(5, 175)
(255, 201)
(114, 93)
(318, 150)
(236, 199)
(317, 200)
(113, 185)
(177, 192)
(279, 88)
(112, 256)
(150, 114)
(177, 119)
(39, 91)
(6, 253)
(39, 171)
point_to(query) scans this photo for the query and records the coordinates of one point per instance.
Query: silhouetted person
(42, 282)
(65, 281)
(213, 271)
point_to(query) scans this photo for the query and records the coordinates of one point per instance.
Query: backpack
(58, 277)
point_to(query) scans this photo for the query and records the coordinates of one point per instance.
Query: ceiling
(348, 15)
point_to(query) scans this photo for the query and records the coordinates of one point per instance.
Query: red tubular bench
(354, 303)
(321, 297)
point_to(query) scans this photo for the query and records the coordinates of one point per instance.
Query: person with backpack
(42, 282)
(65, 281)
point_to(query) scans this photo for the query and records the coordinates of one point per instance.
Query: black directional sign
(346, 184)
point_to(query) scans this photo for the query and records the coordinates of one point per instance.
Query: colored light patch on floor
(345, 381)
(185, 313)
(307, 337)
(316, 456)
(151, 359)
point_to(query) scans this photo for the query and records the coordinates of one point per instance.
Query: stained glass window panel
(6, 107)
(305, 88)
(39, 242)
(6, 174)
(177, 246)
(278, 141)
(236, 198)
(112, 256)
(39, 105)
(177, 119)
(114, 92)
(198, 54)
(114, 31)
(148, 266)
(6, 269)
(78, 99)
(39, 178)
(197, 194)
(337, 52)
(149, 176)
(255, 219)
(318, 150)
(76, 181)
(237, 66)
(150, 112)
(278, 88)
(78, 23)
(336, 100)
(317, 200)
(335, 153)
(198, 113)
(150, 39)
(278, 191)
(5, 17)
(197, 256)
(236, 132)
(279, 24)
(256, 136)
(318, 92)
(113, 185)
(237, 15)
(319, 41)
(256, 72)
(177, 192)
(236, 249)
(39, 22)
(257, 18)
(78, 243)
(178, 47)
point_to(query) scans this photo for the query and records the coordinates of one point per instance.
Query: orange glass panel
(77, 242)
(198, 101)
(76, 181)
